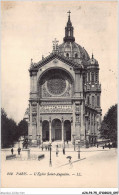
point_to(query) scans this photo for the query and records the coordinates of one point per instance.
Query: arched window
(92, 76)
(88, 100)
(92, 101)
(98, 100)
(89, 77)
(67, 55)
(96, 76)
(76, 55)
(89, 119)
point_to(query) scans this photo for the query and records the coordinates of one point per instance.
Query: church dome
(73, 50)
(92, 61)
(70, 48)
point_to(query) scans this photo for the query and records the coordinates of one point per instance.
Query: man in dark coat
(12, 151)
(19, 150)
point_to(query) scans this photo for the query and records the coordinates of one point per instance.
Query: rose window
(56, 85)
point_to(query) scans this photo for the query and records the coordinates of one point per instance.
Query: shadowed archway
(67, 130)
(56, 130)
(45, 130)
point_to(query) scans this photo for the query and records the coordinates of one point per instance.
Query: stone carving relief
(34, 118)
(68, 92)
(77, 118)
(44, 91)
(56, 83)
(34, 106)
(34, 103)
(56, 109)
(77, 108)
(54, 103)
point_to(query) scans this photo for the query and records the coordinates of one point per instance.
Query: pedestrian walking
(97, 145)
(45, 147)
(57, 151)
(12, 151)
(63, 151)
(19, 150)
(109, 146)
(42, 147)
(70, 163)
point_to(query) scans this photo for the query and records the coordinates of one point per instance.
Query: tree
(8, 130)
(22, 128)
(108, 128)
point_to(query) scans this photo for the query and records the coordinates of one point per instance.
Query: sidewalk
(95, 166)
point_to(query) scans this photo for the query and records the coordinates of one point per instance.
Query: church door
(56, 125)
(45, 130)
(68, 135)
(58, 134)
(47, 135)
(67, 130)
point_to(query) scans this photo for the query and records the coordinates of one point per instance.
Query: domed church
(64, 103)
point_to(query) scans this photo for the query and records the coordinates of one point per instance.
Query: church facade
(64, 101)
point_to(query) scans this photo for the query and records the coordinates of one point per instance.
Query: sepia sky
(28, 29)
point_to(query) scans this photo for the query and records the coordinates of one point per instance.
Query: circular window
(56, 85)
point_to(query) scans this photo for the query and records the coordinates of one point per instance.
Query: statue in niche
(77, 108)
(34, 109)
(34, 119)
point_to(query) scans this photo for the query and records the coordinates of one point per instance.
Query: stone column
(30, 122)
(62, 129)
(74, 119)
(78, 83)
(87, 76)
(50, 129)
(72, 132)
(90, 78)
(40, 129)
(82, 121)
(86, 124)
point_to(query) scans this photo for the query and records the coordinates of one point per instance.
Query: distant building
(65, 93)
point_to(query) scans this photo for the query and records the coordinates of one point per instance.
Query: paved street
(95, 168)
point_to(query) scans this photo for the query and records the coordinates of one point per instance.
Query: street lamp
(74, 140)
(64, 148)
(39, 141)
(78, 149)
(50, 163)
(97, 133)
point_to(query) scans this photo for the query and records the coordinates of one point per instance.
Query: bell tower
(69, 30)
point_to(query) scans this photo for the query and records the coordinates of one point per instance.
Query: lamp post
(74, 140)
(50, 163)
(64, 148)
(39, 141)
(78, 149)
(97, 133)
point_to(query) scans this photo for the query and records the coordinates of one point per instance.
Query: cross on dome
(69, 13)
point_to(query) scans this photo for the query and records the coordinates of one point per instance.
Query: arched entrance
(45, 130)
(56, 130)
(67, 130)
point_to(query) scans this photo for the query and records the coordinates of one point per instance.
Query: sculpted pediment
(55, 58)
